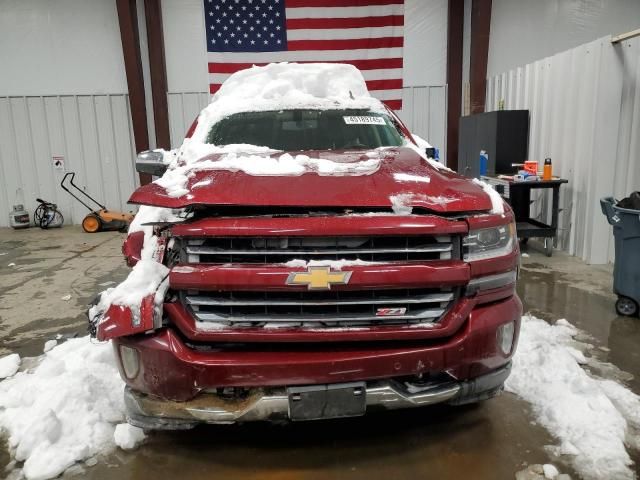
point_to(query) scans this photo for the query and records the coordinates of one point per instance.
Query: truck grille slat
(216, 251)
(267, 250)
(424, 315)
(238, 309)
(208, 300)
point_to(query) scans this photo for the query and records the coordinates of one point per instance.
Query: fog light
(505, 337)
(130, 363)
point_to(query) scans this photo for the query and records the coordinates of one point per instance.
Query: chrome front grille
(309, 309)
(269, 250)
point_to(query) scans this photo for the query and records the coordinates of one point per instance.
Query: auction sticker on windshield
(364, 120)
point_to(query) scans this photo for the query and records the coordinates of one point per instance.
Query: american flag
(365, 33)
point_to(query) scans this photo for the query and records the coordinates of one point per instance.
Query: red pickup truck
(334, 271)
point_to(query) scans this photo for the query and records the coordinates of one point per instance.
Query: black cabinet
(503, 134)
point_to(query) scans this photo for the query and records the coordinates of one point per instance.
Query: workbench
(518, 195)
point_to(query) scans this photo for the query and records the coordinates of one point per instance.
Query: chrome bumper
(273, 403)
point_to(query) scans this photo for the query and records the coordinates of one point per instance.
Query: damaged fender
(120, 321)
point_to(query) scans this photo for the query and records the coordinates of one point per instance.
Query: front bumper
(175, 384)
(173, 369)
(274, 403)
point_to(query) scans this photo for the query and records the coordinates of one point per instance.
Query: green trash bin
(626, 269)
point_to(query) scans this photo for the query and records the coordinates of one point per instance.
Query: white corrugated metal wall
(92, 132)
(424, 112)
(584, 107)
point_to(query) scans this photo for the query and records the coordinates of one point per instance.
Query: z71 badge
(390, 312)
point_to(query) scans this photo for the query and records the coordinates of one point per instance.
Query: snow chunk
(333, 264)
(405, 177)
(496, 200)
(591, 417)
(400, 203)
(202, 183)
(64, 409)
(148, 214)
(49, 344)
(148, 277)
(9, 365)
(210, 326)
(421, 150)
(128, 437)
(550, 471)
(422, 143)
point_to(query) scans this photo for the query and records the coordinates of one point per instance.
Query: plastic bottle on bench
(484, 163)
(547, 170)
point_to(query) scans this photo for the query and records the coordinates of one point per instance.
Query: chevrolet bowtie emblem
(318, 278)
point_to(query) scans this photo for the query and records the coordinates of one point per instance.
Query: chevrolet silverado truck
(302, 258)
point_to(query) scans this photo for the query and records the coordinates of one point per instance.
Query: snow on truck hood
(400, 178)
(384, 178)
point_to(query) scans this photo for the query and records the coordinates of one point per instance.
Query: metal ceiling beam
(480, 30)
(128, 21)
(454, 79)
(158, 70)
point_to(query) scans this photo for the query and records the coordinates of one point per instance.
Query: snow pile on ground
(9, 365)
(128, 437)
(63, 410)
(591, 417)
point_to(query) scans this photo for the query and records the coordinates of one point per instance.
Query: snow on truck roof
(283, 86)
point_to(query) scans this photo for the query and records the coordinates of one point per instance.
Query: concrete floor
(491, 441)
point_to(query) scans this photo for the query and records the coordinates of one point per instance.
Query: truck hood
(403, 179)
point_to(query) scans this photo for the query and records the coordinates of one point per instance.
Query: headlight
(489, 242)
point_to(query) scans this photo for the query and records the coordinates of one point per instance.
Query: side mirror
(431, 152)
(152, 162)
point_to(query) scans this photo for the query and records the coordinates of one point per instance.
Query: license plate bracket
(319, 402)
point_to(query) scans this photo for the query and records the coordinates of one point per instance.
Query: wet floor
(493, 440)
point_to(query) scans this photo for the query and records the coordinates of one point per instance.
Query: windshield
(293, 130)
